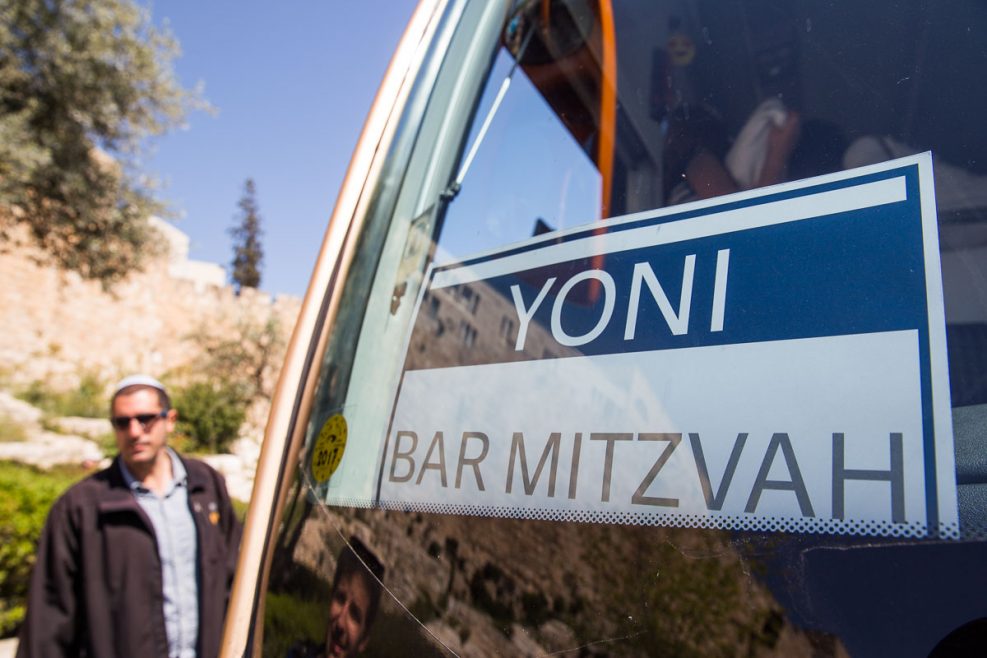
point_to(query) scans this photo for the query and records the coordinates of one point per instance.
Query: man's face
(140, 445)
(348, 617)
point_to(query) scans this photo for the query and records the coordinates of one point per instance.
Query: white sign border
(890, 190)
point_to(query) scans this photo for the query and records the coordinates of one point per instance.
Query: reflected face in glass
(347, 635)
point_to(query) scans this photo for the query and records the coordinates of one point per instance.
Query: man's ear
(171, 419)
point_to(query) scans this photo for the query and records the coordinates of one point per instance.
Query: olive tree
(83, 85)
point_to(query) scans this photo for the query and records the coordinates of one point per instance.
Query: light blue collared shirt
(175, 532)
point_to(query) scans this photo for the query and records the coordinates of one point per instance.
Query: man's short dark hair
(357, 559)
(163, 398)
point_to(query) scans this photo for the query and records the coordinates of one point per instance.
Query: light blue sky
(292, 83)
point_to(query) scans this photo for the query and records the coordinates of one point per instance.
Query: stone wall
(54, 325)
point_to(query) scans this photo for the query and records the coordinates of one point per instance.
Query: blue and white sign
(774, 360)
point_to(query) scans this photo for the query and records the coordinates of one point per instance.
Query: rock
(92, 428)
(248, 451)
(47, 449)
(525, 644)
(555, 633)
(18, 410)
(225, 464)
(73, 446)
(239, 475)
(8, 648)
(240, 486)
(448, 637)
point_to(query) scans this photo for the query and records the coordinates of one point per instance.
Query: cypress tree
(248, 254)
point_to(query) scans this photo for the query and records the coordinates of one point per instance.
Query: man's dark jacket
(96, 587)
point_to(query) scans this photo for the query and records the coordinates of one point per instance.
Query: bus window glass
(551, 125)
(524, 135)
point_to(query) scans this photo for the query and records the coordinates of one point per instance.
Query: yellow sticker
(329, 448)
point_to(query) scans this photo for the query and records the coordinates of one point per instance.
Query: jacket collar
(117, 496)
(179, 474)
(196, 476)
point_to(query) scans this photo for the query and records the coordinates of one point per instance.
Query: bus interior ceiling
(818, 60)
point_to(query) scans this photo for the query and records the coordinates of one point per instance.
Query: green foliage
(89, 399)
(83, 84)
(688, 597)
(248, 254)
(25, 496)
(289, 621)
(396, 634)
(423, 609)
(536, 609)
(248, 356)
(492, 592)
(11, 430)
(236, 369)
(210, 414)
(240, 508)
(107, 443)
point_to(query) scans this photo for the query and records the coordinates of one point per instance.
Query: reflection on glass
(353, 602)
(613, 109)
(500, 200)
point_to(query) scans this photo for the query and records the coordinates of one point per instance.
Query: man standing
(135, 560)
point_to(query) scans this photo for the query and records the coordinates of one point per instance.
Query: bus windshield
(660, 329)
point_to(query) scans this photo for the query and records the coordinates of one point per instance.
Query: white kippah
(139, 380)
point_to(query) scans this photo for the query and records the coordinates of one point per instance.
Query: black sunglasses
(145, 420)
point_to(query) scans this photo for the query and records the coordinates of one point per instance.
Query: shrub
(290, 621)
(89, 399)
(240, 508)
(107, 443)
(536, 609)
(11, 430)
(25, 496)
(210, 415)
